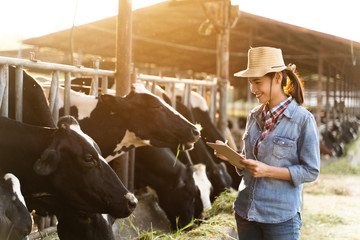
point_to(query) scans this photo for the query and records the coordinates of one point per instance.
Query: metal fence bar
(212, 107)
(53, 95)
(19, 93)
(2, 83)
(53, 66)
(94, 90)
(104, 85)
(67, 88)
(5, 91)
(144, 77)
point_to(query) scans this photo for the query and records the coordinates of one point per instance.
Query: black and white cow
(35, 106)
(64, 162)
(216, 172)
(15, 220)
(209, 133)
(172, 181)
(74, 224)
(118, 124)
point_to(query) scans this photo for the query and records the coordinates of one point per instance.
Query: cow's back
(35, 106)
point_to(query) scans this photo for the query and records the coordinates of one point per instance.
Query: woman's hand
(256, 168)
(218, 154)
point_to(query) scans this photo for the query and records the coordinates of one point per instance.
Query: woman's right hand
(218, 154)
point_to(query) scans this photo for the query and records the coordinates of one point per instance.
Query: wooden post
(319, 89)
(123, 71)
(327, 98)
(335, 95)
(222, 63)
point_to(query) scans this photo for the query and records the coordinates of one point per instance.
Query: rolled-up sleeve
(308, 168)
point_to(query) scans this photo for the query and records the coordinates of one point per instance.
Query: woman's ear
(278, 77)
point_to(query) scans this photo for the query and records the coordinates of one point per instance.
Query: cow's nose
(132, 200)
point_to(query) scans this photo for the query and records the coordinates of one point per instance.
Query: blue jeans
(289, 230)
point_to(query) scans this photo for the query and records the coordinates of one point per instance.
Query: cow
(172, 181)
(74, 224)
(140, 118)
(216, 172)
(119, 108)
(15, 220)
(35, 106)
(83, 84)
(209, 133)
(63, 162)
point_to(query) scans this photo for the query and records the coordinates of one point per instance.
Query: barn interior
(179, 39)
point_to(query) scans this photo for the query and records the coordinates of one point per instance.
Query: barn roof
(170, 34)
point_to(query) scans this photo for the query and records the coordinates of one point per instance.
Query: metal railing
(206, 88)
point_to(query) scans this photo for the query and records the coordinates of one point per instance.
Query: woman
(281, 150)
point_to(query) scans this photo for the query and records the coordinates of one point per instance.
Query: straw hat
(262, 60)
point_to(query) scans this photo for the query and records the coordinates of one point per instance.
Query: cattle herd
(63, 167)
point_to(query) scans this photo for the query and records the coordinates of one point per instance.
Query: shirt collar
(277, 108)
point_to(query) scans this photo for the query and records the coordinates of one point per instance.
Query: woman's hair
(291, 84)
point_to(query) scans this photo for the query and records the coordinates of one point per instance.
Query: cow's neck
(19, 151)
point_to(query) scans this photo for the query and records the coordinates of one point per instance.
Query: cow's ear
(113, 103)
(47, 163)
(180, 184)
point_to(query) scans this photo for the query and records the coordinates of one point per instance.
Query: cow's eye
(88, 157)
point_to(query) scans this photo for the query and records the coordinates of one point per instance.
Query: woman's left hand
(256, 168)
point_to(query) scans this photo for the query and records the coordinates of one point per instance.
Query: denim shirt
(294, 144)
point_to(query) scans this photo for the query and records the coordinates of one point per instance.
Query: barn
(179, 39)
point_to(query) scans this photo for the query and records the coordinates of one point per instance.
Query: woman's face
(260, 86)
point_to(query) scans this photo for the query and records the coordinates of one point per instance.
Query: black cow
(15, 220)
(35, 106)
(209, 133)
(172, 181)
(64, 162)
(216, 172)
(83, 84)
(118, 124)
(74, 224)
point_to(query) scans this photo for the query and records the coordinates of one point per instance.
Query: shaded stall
(174, 38)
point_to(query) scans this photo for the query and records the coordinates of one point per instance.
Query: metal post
(67, 93)
(4, 91)
(19, 94)
(53, 96)
(94, 90)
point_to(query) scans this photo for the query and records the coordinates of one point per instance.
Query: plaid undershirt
(270, 118)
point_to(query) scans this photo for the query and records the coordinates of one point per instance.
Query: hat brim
(259, 72)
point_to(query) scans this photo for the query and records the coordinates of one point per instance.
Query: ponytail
(294, 87)
(291, 84)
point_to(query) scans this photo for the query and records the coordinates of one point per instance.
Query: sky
(32, 18)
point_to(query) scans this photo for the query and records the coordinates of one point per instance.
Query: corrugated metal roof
(167, 34)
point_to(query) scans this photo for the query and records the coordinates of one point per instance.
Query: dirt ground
(332, 208)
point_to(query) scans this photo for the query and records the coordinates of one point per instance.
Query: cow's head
(148, 117)
(80, 175)
(178, 199)
(15, 220)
